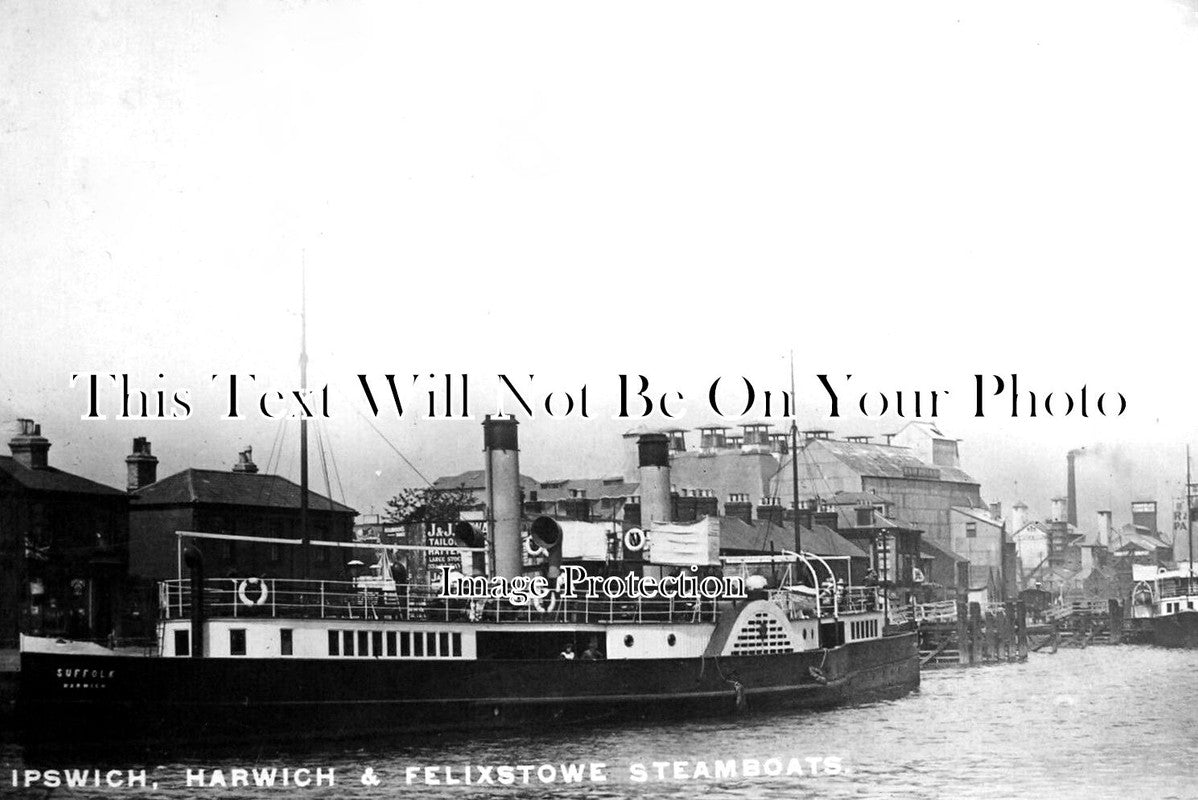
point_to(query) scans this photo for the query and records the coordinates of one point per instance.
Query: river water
(1104, 722)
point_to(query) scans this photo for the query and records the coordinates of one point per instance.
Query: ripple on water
(1104, 722)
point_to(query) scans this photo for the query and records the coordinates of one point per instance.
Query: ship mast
(794, 456)
(1189, 523)
(303, 365)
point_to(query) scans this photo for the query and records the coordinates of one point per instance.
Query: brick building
(63, 546)
(242, 502)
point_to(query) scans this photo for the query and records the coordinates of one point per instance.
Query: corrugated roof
(50, 479)
(978, 514)
(230, 488)
(475, 479)
(857, 499)
(929, 548)
(766, 537)
(886, 461)
(1142, 541)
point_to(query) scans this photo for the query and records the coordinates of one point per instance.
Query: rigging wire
(336, 471)
(324, 467)
(387, 441)
(270, 457)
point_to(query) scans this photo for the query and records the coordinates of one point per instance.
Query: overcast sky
(911, 193)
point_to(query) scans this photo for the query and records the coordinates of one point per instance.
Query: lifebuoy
(818, 674)
(534, 549)
(634, 540)
(545, 604)
(243, 592)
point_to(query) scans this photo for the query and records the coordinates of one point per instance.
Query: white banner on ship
(675, 544)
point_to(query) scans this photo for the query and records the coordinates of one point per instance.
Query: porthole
(671, 640)
(628, 640)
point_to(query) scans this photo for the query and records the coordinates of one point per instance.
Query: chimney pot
(29, 447)
(245, 461)
(141, 465)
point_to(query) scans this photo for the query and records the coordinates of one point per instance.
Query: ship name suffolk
(447, 396)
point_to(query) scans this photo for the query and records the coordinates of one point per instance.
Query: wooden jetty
(970, 636)
(1003, 631)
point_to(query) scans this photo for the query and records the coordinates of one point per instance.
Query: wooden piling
(1115, 614)
(1003, 652)
(991, 636)
(1009, 647)
(976, 640)
(1021, 628)
(964, 656)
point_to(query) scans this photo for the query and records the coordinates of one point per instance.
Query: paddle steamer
(273, 658)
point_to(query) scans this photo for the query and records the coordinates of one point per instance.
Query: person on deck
(592, 653)
(568, 652)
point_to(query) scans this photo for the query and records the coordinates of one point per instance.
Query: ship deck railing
(1169, 588)
(849, 600)
(940, 611)
(299, 599)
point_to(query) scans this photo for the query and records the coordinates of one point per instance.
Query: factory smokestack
(1071, 487)
(653, 453)
(504, 499)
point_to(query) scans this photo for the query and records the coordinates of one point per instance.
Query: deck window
(182, 643)
(363, 643)
(237, 642)
(405, 644)
(432, 643)
(376, 643)
(285, 642)
(347, 642)
(391, 643)
(334, 643)
(417, 644)
(457, 645)
(444, 645)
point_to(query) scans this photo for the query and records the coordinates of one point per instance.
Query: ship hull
(79, 698)
(1176, 630)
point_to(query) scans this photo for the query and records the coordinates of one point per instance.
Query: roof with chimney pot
(217, 487)
(51, 479)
